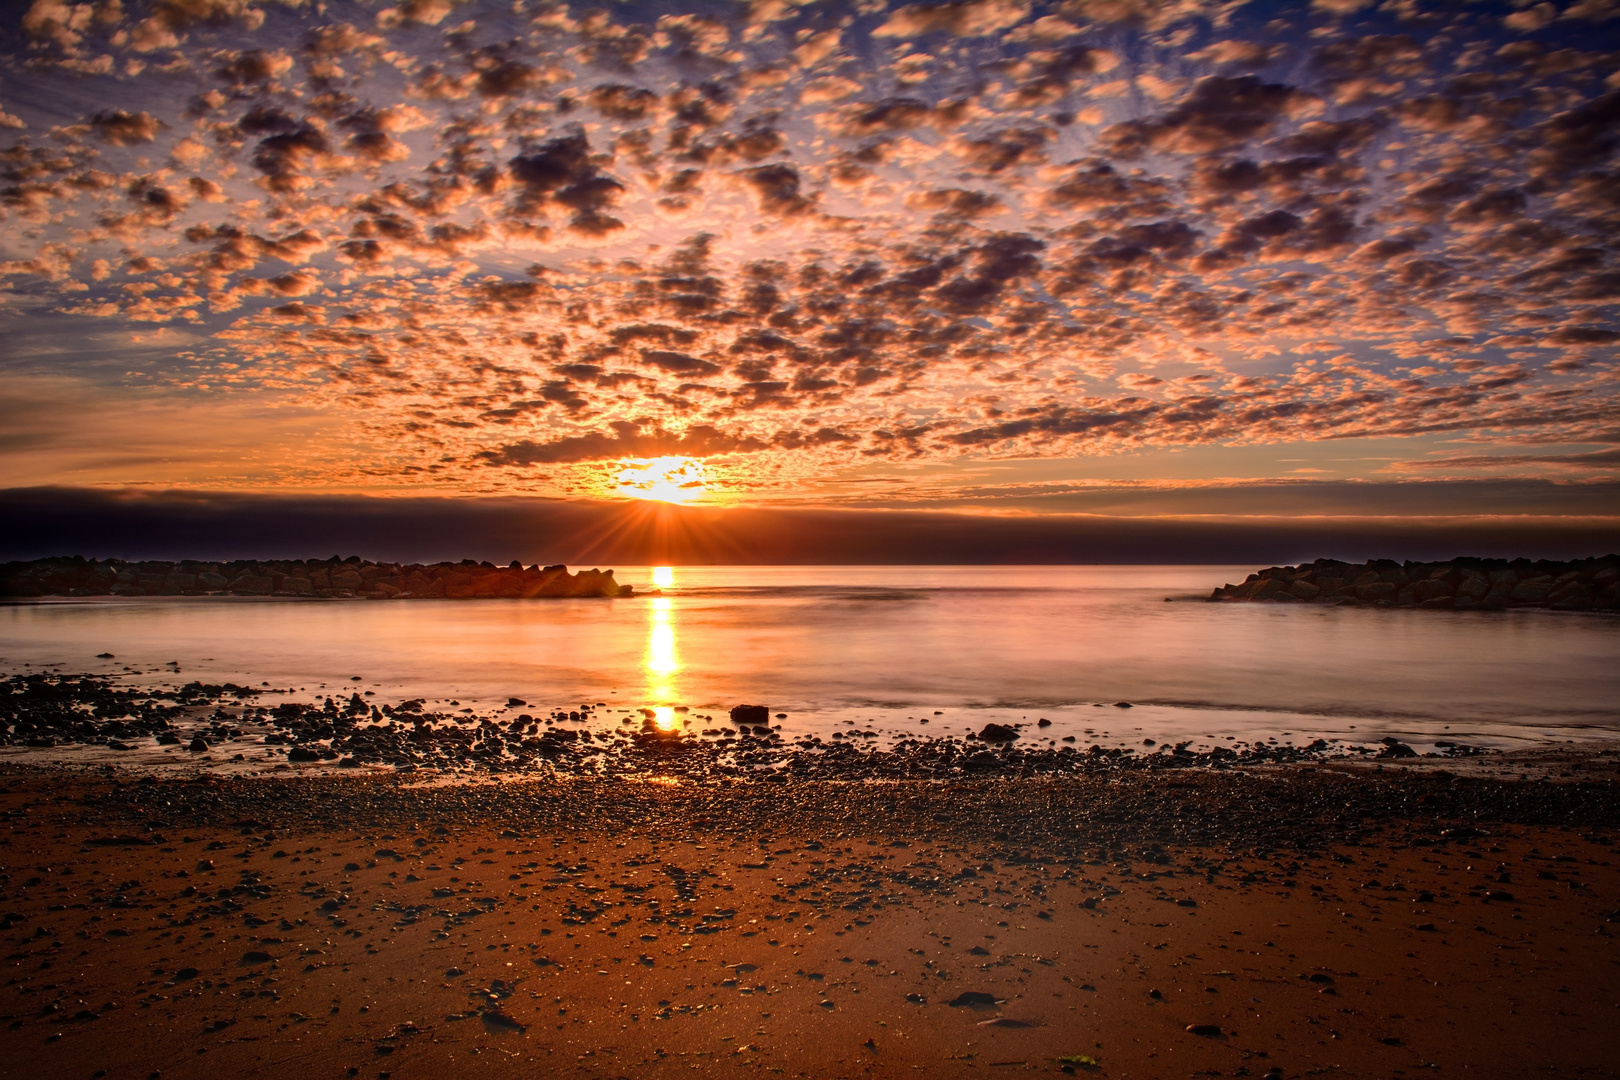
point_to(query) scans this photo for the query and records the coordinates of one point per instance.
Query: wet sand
(1343, 921)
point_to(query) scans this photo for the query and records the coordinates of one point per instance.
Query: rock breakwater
(332, 578)
(1460, 584)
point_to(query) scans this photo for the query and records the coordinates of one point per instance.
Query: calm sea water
(887, 648)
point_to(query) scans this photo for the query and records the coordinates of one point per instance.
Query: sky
(1107, 257)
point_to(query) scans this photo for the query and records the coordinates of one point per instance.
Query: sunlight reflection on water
(885, 647)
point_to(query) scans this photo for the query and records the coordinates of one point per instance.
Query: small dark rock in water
(751, 715)
(199, 743)
(516, 702)
(303, 753)
(1043, 722)
(104, 656)
(1394, 748)
(1149, 742)
(1123, 705)
(1209, 1031)
(972, 999)
(998, 733)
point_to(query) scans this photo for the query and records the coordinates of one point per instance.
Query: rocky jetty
(1460, 584)
(332, 578)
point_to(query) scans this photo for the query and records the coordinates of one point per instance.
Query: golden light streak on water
(662, 660)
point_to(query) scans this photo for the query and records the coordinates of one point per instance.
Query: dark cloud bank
(36, 522)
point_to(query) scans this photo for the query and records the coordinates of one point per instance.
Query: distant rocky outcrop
(1460, 584)
(315, 578)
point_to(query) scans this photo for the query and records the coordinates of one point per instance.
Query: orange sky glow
(987, 254)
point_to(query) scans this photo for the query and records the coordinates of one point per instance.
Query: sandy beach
(1344, 920)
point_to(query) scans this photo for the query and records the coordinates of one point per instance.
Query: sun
(665, 479)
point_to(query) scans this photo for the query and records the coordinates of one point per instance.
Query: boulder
(751, 715)
(998, 733)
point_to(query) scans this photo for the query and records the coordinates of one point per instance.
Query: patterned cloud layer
(515, 244)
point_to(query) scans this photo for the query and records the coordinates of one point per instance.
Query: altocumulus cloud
(513, 235)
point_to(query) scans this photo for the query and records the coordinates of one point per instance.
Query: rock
(1394, 748)
(256, 957)
(497, 1021)
(198, 744)
(972, 999)
(751, 715)
(998, 733)
(303, 753)
(1208, 1031)
(1464, 584)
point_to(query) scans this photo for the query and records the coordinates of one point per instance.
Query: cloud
(626, 439)
(1605, 460)
(120, 128)
(961, 18)
(824, 238)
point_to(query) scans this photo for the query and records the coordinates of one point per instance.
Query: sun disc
(664, 479)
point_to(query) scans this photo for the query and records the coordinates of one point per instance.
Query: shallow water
(882, 648)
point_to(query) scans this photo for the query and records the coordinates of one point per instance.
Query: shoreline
(202, 727)
(1285, 922)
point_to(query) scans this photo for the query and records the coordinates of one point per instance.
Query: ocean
(889, 652)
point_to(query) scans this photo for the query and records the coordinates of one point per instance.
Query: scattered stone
(972, 999)
(500, 1022)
